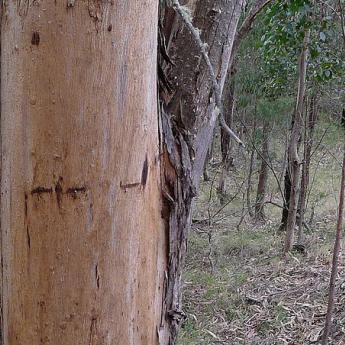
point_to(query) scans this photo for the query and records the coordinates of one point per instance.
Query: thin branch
(248, 21)
(335, 261)
(267, 163)
(247, 26)
(202, 46)
(320, 141)
(229, 201)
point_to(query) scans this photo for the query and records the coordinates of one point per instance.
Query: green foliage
(286, 23)
(271, 109)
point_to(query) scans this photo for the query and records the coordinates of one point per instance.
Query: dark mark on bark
(74, 191)
(91, 213)
(145, 172)
(129, 185)
(70, 3)
(92, 329)
(97, 276)
(35, 39)
(58, 191)
(110, 27)
(28, 236)
(26, 205)
(41, 190)
(96, 8)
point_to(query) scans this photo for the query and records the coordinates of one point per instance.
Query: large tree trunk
(191, 103)
(82, 238)
(293, 156)
(188, 122)
(263, 176)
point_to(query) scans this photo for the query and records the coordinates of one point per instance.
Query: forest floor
(237, 287)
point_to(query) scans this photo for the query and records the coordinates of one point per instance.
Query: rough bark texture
(83, 241)
(225, 140)
(287, 193)
(192, 103)
(188, 122)
(229, 106)
(263, 176)
(308, 145)
(293, 156)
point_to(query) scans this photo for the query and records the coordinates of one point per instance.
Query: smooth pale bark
(83, 241)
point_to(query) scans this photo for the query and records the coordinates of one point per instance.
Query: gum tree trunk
(83, 244)
(225, 140)
(188, 122)
(308, 145)
(293, 155)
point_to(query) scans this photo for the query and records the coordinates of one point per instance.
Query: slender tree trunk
(225, 140)
(284, 162)
(229, 107)
(339, 229)
(335, 261)
(287, 194)
(263, 176)
(250, 174)
(83, 243)
(249, 182)
(294, 161)
(308, 144)
(285, 178)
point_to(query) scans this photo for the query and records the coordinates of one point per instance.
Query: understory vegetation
(238, 289)
(264, 262)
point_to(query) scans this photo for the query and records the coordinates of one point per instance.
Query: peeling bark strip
(178, 192)
(82, 261)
